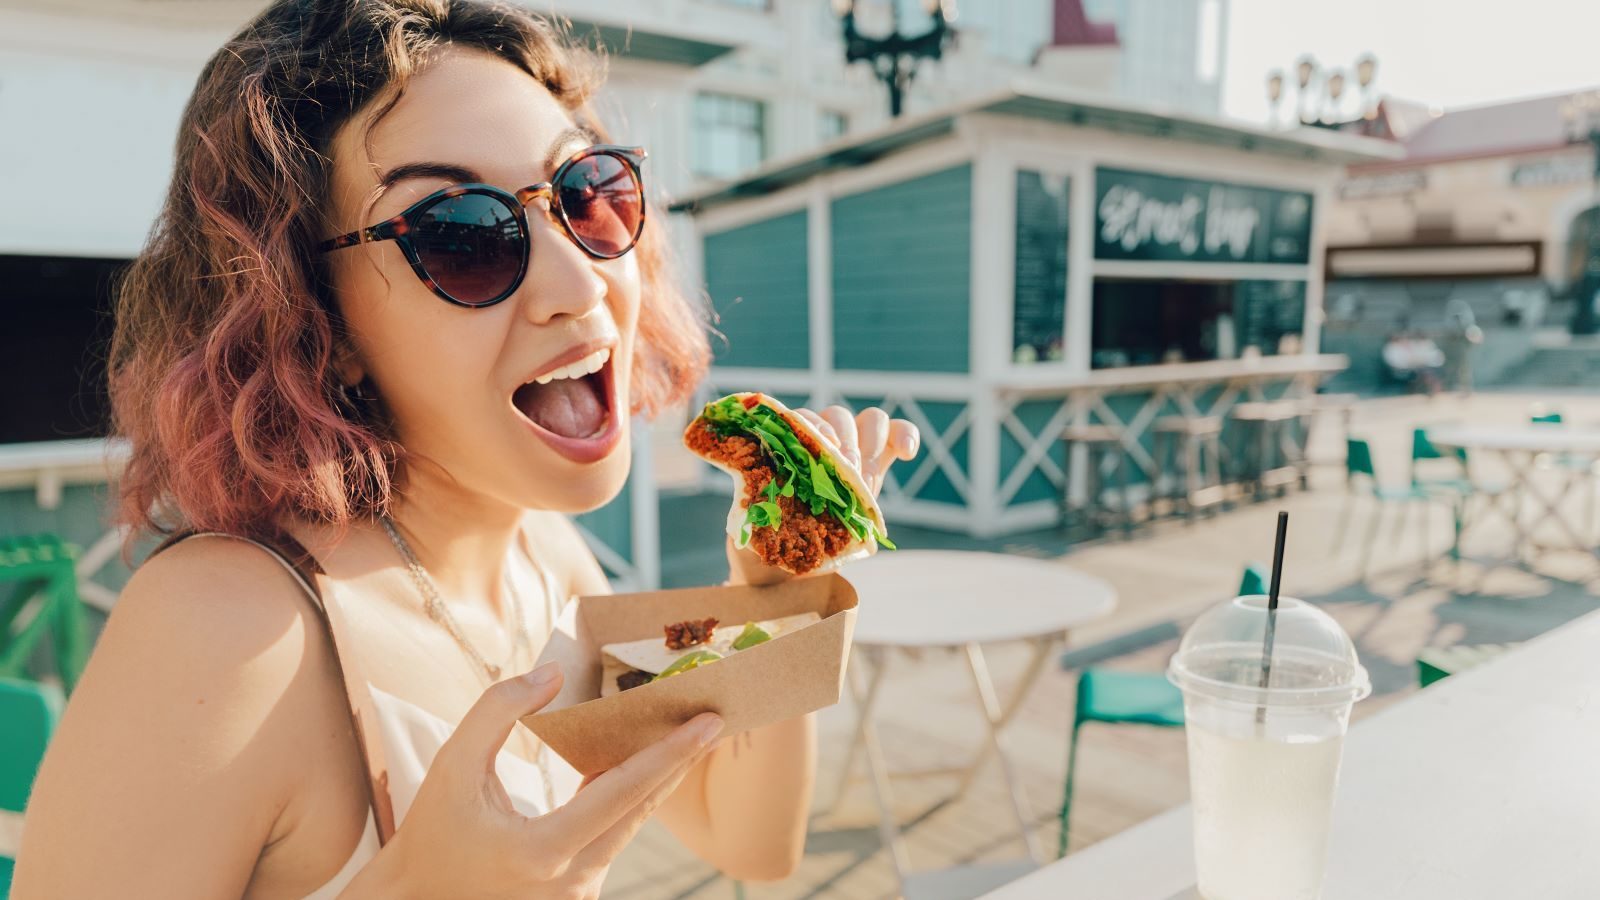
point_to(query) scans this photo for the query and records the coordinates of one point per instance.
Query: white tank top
(411, 737)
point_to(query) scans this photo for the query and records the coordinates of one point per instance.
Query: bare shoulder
(562, 547)
(205, 701)
(223, 601)
(212, 634)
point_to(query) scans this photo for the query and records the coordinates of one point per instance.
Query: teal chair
(1361, 478)
(42, 572)
(1131, 698)
(28, 716)
(1578, 468)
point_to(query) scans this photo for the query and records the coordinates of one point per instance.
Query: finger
(609, 797)
(844, 425)
(605, 848)
(821, 425)
(904, 439)
(485, 727)
(872, 433)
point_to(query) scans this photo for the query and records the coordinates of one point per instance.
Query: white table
(1485, 786)
(937, 598)
(1520, 448)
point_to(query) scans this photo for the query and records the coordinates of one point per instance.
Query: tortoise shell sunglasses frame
(399, 228)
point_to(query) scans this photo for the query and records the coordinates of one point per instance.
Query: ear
(347, 365)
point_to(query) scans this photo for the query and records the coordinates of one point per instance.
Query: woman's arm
(185, 738)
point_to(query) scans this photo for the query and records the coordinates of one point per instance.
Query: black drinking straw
(1272, 612)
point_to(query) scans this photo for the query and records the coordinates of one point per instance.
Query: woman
(374, 384)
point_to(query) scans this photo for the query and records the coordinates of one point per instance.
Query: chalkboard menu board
(1139, 215)
(1039, 298)
(1265, 311)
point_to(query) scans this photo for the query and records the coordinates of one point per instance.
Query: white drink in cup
(1264, 762)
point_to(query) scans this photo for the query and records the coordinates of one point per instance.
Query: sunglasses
(470, 243)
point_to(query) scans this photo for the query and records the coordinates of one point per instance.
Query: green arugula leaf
(812, 481)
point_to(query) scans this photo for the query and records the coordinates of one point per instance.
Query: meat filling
(802, 541)
(682, 635)
(633, 678)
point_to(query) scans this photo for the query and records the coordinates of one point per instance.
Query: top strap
(358, 691)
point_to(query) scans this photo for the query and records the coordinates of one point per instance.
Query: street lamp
(1366, 74)
(1304, 70)
(894, 57)
(1335, 88)
(1581, 114)
(1321, 91)
(1274, 93)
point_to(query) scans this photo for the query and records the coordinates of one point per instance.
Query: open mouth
(571, 407)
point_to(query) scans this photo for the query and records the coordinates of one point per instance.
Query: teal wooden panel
(902, 263)
(938, 488)
(757, 278)
(613, 523)
(1034, 414)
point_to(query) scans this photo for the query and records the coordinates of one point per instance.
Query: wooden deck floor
(1127, 774)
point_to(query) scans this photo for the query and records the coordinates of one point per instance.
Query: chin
(576, 489)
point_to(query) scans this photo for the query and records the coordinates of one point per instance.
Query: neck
(462, 539)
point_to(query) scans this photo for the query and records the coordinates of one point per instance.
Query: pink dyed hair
(221, 367)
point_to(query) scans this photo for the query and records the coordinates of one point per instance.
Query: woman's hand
(463, 838)
(870, 440)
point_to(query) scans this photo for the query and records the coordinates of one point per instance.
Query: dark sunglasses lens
(604, 203)
(471, 246)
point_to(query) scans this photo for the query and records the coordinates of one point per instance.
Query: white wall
(88, 112)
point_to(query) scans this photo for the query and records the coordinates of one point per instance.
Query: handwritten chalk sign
(1140, 215)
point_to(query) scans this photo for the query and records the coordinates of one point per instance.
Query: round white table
(912, 599)
(950, 598)
(1520, 448)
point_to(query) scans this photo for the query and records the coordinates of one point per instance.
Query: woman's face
(459, 383)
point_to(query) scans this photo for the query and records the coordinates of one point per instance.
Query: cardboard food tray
(789, 676)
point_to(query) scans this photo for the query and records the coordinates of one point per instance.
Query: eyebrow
(460, 174)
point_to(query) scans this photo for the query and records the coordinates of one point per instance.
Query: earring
(350, 398)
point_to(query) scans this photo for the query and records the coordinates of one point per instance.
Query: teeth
(589, 365)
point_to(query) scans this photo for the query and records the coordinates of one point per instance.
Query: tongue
(570, 407)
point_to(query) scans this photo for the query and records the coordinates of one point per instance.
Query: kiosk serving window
(1184, 226)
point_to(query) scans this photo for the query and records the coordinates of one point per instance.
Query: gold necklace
(439, 612)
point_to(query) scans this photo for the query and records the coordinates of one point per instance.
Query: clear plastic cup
(1264, 762)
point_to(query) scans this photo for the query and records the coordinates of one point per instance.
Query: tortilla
(866, 532)
(651, 655)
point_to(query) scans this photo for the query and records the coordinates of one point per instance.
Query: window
(52, 350)
(1145, 322)
(830, 125)
(730, 134)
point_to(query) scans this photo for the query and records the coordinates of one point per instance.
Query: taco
(797, 503)
(634, 663)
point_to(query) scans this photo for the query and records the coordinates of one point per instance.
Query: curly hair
(221, 364)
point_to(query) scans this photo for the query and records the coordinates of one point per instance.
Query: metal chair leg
(1372, 535)
(1345, 511)
(1066, 798)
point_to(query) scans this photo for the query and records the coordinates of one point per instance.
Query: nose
(562, 279)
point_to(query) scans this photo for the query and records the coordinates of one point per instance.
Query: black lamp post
(1582, 116)
(894, 57)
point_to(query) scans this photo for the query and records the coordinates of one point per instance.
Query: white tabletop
(1535, 438)
(941, 598)
(1485, 786)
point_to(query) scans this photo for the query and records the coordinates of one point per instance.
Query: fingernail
(707, 730)
(543, 675)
